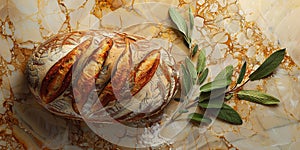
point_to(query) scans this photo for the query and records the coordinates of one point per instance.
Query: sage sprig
(201, 61)
(186, 80)
(225, 112)
(182, 26)
(217, 84)
(191, 70)
(203, 76)
(229, 115)
(195, 50)
(199, 118)
(179, 21)
(257, 97)
(242, 73)
(268, 66)
(225, 74)
(214, 94)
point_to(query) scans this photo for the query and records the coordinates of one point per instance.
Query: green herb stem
(193, 78)
(236, 88)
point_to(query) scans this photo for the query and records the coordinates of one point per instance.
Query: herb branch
(212, 96)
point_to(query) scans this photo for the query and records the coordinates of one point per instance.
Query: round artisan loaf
(102, 76)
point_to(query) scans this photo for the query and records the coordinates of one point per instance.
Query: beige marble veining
(276, 19)
(230, 31)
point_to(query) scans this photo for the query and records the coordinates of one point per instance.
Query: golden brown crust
(58, 77)
(138, 78)
(145, 71)
(119, 77)
(91, 70)
(55, 43)
(121, 72)
(112, 74)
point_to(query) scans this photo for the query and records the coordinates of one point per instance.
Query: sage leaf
(199, 118)
(229, 115)
(268, 66)
(242, 73)
(195, 49)
(257, 97)
(226, 73)
(201, 62)
(191, 16)
(179, 21)
(217, 94)
(226, 113)
(186, 79)
(191, 69)
(203, 76)
(212, 105)
(215, 85)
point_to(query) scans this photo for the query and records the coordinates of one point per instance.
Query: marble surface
(231, 31)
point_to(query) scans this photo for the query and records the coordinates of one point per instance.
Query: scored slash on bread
(59, 76)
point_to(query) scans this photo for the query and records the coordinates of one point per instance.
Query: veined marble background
(231, 31)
